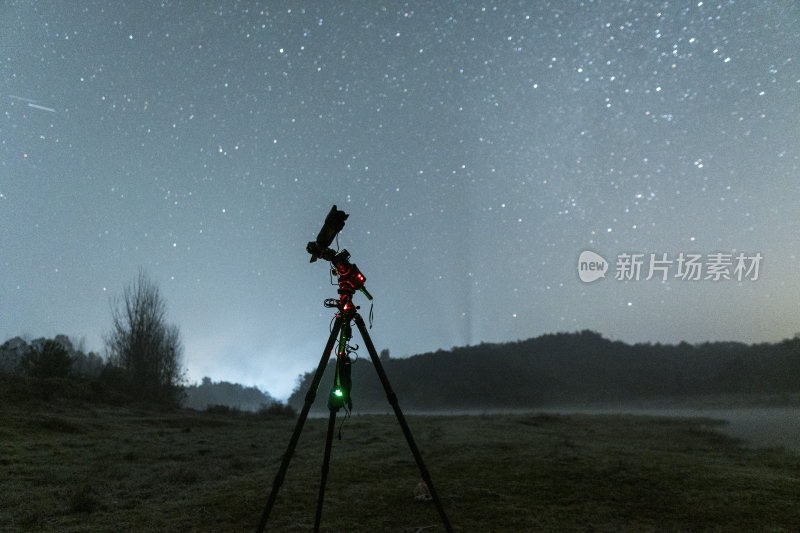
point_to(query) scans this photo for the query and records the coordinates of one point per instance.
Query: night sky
(479, 149)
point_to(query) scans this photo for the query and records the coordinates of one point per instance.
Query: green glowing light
(338, 392)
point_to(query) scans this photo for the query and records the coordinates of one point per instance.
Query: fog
(759, 427)
(755, 427)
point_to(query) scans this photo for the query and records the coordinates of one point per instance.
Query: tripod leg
(310, 395)
(326, 461)
(392, 397)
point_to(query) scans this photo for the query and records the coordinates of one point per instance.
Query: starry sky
(479, 148)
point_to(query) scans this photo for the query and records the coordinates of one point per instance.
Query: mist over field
(753, 388)
(757, 427)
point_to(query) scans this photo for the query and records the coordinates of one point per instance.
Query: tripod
(340, 396)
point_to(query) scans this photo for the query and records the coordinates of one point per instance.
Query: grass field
(69, 468)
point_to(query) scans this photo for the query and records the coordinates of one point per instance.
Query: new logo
(591, 266)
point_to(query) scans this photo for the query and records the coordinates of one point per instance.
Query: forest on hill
(59, 368)
(561, 369)
(209, 393)
(568, 369)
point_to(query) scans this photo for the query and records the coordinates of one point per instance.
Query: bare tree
(144, 345)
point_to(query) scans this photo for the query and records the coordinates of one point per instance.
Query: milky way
(479, 149)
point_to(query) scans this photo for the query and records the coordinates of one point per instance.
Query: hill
(570, 369)
(210, 393)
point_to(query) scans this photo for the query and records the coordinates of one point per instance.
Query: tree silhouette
(48, 360)
(144, 345)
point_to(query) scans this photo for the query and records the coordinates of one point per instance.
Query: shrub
(49, 360)
(277, 410)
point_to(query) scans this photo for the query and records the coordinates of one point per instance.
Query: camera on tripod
(350, 277)
(321, 248)
(350, 280)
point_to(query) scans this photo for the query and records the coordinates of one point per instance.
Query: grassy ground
(69, 468)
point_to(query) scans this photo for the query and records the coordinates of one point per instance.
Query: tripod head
(350, 277)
